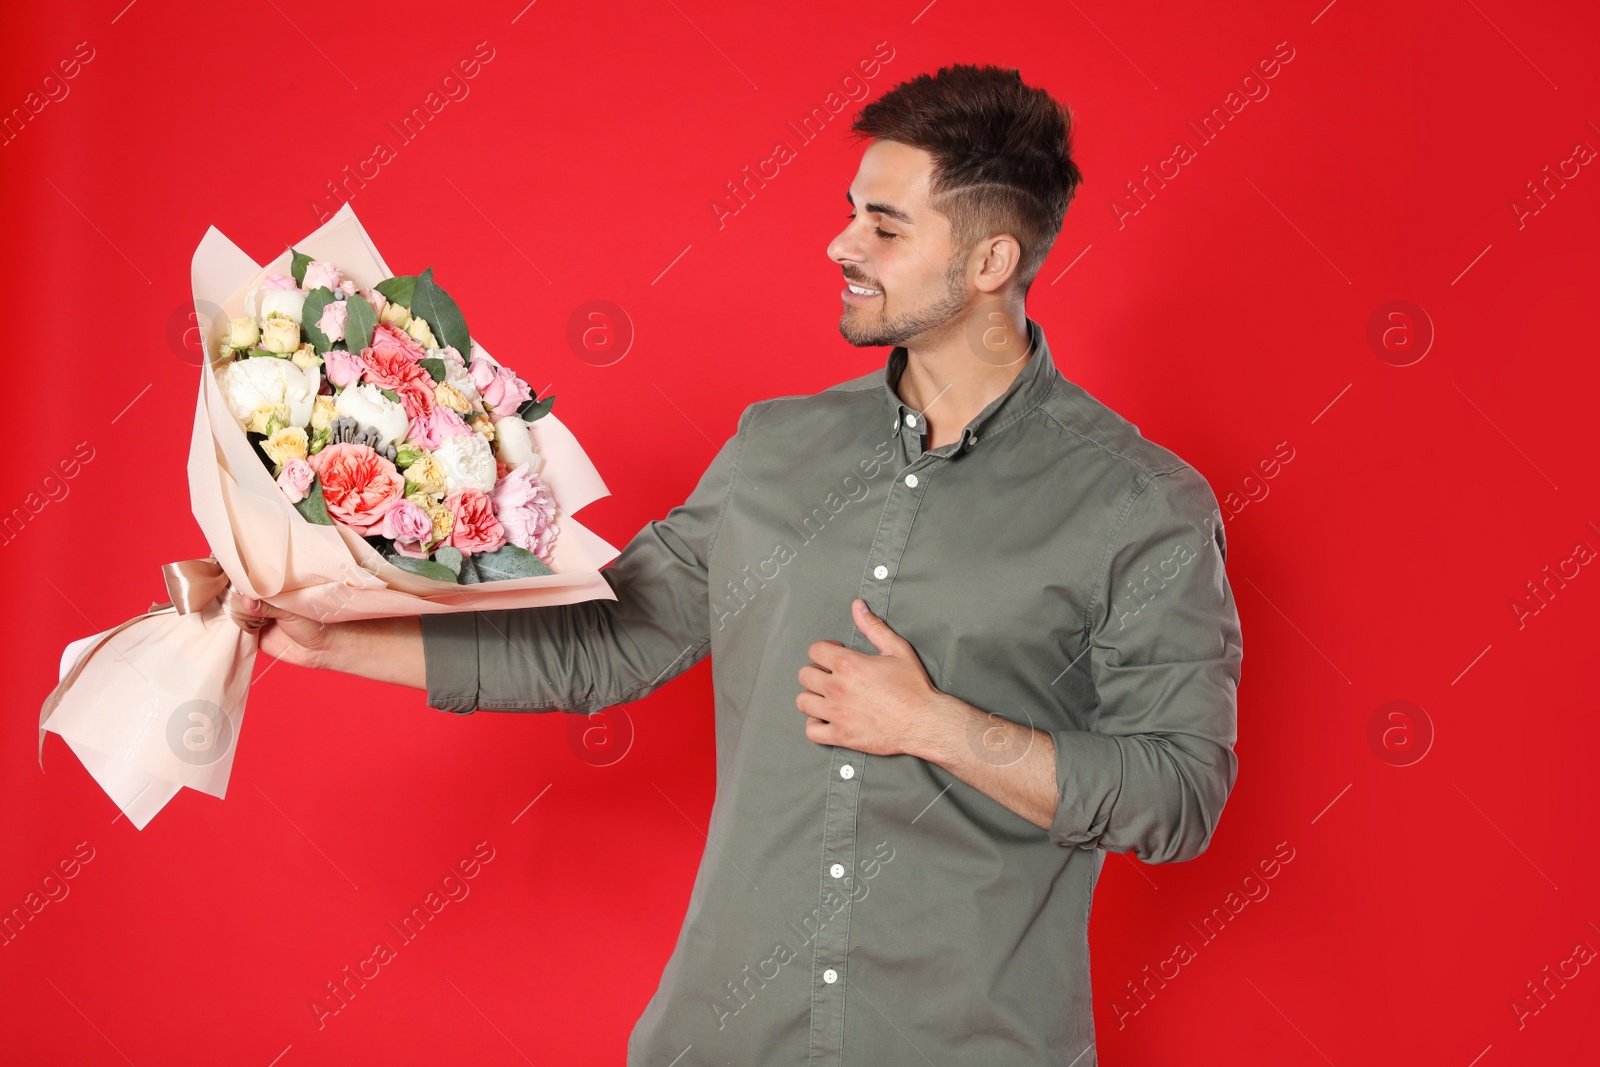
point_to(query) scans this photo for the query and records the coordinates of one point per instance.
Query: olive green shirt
(1052, 567)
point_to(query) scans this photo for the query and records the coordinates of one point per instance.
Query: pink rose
(390, 338)
(279, 281)
(295, 480)
(319, 273)
(429, 429)
(377, 300)
(406, 522)
(342, 368)
(500, 388)
(524, 506)
(389, 369)
(332, 320)
(358, 485)
(476, 529)
(347, 287)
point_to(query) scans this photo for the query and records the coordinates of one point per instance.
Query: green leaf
(297, 266)
(425, 568)
(469, 571)
(264, 352)
(398, 290)
(536, 409)
(449, 557)
(313, 507)
(360, 320)
(434, 367)
(310, 312)
(509, 561)
(434, 304)
(391, 394)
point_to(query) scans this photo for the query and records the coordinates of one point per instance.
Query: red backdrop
(1386, 512)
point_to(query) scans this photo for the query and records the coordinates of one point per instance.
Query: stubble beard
(863, 333)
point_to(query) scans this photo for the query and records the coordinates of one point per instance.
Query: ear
(997, 259)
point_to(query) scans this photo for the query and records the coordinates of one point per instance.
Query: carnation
(524, 506)
(468, 462)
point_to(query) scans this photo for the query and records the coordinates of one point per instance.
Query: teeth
(859, 291)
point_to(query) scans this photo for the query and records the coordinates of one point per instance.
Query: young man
(969, 632)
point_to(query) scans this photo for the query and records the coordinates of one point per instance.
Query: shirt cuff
(450, 656)
(1088, 782)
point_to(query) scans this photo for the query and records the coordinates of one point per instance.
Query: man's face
(899, 248)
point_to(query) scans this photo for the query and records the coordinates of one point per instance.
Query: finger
(876, 630)
(812, 705)
(825, 653)
(814, 678)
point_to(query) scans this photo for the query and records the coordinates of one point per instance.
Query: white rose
(242, 333)
(513, 444)
(261, 301)
(248, 383)
(468, 463)
(369, 407)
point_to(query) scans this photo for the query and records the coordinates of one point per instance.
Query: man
(969, 631)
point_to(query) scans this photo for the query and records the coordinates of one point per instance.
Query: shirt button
(911, 420)
(830, 976)
(847, 771)
(880, 571)
(837, 870)
(911, 481)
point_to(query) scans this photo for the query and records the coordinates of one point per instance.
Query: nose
(845, 248)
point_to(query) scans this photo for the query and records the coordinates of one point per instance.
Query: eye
(883, 233)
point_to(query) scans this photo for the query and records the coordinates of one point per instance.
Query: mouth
(859, 294)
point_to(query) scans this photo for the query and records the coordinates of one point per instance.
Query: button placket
(834, 905)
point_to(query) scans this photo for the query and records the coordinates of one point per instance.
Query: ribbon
(192, 584)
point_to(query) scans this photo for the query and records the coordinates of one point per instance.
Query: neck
(955, 372)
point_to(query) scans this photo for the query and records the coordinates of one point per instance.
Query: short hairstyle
(1002, 153)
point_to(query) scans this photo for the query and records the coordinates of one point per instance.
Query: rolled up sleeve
(1152, 773)
(595, 654)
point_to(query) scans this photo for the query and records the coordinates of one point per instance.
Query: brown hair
(1002, 153)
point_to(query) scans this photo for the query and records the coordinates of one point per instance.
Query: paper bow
(192, 584)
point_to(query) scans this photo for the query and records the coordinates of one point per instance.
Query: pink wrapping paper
(160, 704)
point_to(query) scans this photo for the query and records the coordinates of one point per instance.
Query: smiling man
(969, 630)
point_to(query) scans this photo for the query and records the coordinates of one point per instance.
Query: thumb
(876, 630)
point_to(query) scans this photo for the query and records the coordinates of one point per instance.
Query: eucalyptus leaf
(434, 367)
(313, 507)
(449, 557)
(297, 267)
(359, 322)
(509, 561)
(469, 571)
(536, 409)
(310, 312)
(398, 290)
(443, 316)
(425, 568)
(391, 394)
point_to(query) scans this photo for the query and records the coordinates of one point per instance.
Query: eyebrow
(887, 210)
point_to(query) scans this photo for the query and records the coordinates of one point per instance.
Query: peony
(467, 460)
(321, 273)
(387, 338)
(344, 368)
(281, 334)
(406, 521)
(421, 333)
(242, 333)
(513, 444)
(524, 506)
(391, 368)
(278, 294)
(501, 389)
(358, 485)
(295, 480)
(288, 443)
(369, 407)
(476, 529)
(332, 320)
(248, 383)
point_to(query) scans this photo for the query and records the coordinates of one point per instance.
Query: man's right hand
(294, 638)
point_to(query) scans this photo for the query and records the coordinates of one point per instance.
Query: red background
(1229, 314)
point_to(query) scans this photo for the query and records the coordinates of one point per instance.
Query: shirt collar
(1031, 385)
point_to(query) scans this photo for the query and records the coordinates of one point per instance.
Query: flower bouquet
(356, 454)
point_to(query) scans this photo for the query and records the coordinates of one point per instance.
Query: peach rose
(390, 338)
(358, 485)
(476, 529)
